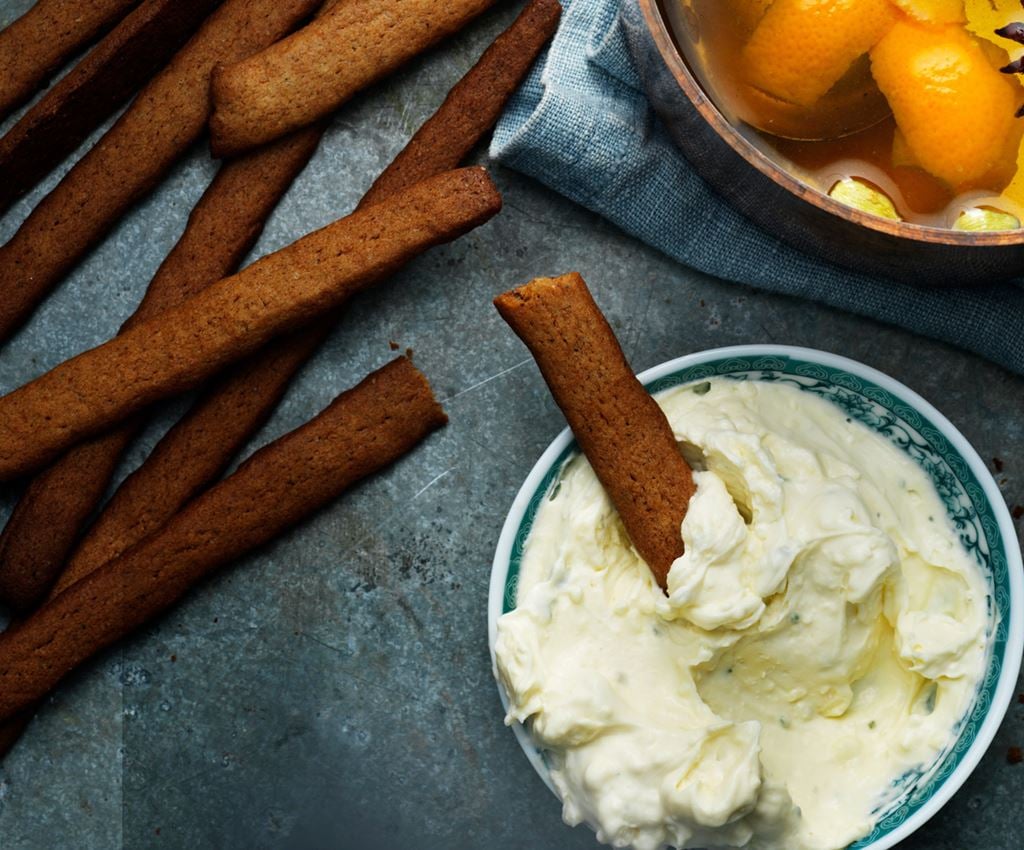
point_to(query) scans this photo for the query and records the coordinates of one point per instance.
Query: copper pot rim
(701, 101)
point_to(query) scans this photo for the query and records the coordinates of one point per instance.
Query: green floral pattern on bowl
(962, 494)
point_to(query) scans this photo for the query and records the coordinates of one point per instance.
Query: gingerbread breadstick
(44, 38)
(90, 93)
(314, 71)
(196, 450)
(622, 431)
(364, 430)
(168, 115)
(181, 347)
(221, 230)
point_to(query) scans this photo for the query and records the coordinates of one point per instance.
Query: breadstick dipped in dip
(622, 431)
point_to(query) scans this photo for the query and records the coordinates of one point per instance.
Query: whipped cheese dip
(824, 634)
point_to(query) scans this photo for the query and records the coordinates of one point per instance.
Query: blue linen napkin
(581, 125)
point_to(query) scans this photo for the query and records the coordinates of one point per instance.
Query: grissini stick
(167, 116)
(364, 430)
(178, 349)
(622, 431)
(197, 450)
(44, 38)
(101, 82)
(222, 228)
(314, 71)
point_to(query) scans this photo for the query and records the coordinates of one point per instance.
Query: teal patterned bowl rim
(973, 503)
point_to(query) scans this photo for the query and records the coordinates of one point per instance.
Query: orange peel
(984, 17)
(802, 48)
(934, 11)
(954, 109)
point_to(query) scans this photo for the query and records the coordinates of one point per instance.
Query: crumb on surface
(1017, 512)
(1015, 755)
(392, 345)
(997, 463)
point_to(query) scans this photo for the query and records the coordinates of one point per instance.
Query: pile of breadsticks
(261, 76)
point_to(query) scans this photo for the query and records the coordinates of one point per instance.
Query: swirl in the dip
(824, 634)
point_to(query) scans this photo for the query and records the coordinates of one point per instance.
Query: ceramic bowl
(966, 487)
(784, 205)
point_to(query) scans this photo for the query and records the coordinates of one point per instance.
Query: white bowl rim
(1006, 686)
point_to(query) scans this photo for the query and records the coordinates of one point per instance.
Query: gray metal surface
(334, 690)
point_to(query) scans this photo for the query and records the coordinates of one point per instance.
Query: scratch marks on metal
(432, 482)
(479, 384)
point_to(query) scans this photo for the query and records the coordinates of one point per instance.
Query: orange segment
(954, 108)
(802, 48)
